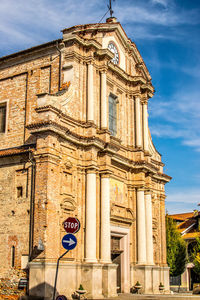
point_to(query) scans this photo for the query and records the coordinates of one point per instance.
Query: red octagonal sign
(71, 225)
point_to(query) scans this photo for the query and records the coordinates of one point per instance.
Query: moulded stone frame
(124, 234)
(6, 102)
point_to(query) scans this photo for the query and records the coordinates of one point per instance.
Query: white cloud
(184, 196)
(183, 200)
(193, 143)
(37, 20)
(161, 2)
(141, 32)
(144, 14)
(22, 21)
(178, 116)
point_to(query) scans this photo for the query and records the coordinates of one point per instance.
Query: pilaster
(145, 126)
(104, 102)
(149, 233)
(90, 234)
(105, 217)
(138, 122)
(90, 92)
(141, 227)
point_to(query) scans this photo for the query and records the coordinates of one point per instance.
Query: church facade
(75, 141)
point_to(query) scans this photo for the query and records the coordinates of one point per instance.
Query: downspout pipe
(32, 204)
(60, 64)
(25, 108)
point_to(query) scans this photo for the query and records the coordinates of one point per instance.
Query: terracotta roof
(16, 150)
(186, 224)
(182, 217)
(191, 235)
(189, 224)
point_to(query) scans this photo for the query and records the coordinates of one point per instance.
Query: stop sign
(71, 225)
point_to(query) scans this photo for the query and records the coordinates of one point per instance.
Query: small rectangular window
(19, 191)
(2, 117)
(13, 256)
(113, 114)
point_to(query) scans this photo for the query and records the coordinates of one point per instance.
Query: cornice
(107, 148)
(83, 42)
(99, 52)
(66, 134)
(162, 177)
(158, 163)
(131, 79)
(104, 53)
(73, 121)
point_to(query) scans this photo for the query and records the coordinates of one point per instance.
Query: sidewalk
(180, 296)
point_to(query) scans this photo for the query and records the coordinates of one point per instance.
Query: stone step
(182, 296)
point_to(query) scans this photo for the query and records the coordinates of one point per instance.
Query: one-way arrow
(69, 241)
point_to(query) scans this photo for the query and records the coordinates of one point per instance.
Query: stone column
(104, 102)
(105, 218)
(90, 93)
(90, 230)
(163, 229)
(145, 127)
(138, 122)
(141, 227)
(149, 231)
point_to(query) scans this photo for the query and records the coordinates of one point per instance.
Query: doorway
(120, 243)
(116, 259)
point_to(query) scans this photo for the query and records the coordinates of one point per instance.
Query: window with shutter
(113, 114)
(2, 117)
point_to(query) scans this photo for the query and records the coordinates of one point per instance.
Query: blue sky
(167, 34)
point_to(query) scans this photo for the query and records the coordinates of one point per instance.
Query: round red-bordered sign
(72, 225)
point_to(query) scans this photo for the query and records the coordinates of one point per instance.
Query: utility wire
(104, 16)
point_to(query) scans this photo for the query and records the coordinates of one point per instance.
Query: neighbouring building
(75, 141)
(188, 224)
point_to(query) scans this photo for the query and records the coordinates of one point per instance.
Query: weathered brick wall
(14, 212)
(21, 79)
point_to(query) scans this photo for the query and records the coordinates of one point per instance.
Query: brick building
(75, 141)
(188, 224)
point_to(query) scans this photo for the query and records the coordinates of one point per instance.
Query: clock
(113, 49)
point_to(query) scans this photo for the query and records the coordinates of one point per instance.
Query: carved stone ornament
(68, 164)
(121, 213)
(68, 204)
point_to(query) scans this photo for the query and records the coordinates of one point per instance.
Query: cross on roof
(110, 7)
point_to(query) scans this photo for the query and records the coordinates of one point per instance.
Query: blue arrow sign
(61, 297)
(69, 241)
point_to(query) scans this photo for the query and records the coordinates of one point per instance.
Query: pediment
(100, 35)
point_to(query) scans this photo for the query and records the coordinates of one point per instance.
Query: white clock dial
(113, 49)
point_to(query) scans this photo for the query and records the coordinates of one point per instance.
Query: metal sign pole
(54, 290)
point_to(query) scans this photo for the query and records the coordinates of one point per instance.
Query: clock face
(113, 49)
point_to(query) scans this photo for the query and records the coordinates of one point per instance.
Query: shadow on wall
(35, 252)
(42, 290)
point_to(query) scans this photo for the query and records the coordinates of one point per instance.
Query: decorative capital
(148, 192)
(105, 173)
(91, 169)
(140, 188)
